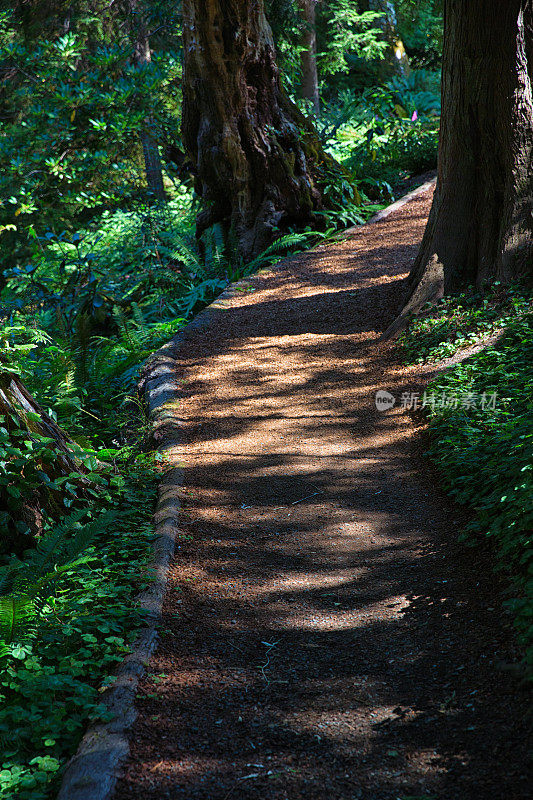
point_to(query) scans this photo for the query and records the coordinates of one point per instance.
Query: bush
(67, 616)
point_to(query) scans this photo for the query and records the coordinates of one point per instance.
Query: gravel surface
(325, 637)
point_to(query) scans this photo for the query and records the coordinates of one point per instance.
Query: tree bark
(309, 87)
(259, 162)
(480, 228)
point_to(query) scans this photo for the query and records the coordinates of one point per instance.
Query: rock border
(92, 773)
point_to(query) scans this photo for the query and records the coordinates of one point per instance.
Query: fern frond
(187, 255)
(57, 552)
(284, 243)
(138, 317)
(15, 612)
(51, 546)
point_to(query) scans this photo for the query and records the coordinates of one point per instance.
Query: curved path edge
(92, 773)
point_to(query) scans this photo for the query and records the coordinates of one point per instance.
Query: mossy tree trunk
(259, 164)
(480, 228)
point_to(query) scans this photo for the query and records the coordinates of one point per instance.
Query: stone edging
(92, 773)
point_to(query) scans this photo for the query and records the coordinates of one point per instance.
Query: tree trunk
(152, 158)
(259, 163)
(152, 164)
(396, 61)
(309, 87)
(480, 228)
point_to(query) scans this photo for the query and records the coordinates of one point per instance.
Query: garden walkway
(324, 635)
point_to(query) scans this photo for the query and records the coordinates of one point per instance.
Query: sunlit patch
(355, 723)
(189, 765)
(306, 580)
(326, 620)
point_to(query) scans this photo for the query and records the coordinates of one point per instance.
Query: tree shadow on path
(325, 637)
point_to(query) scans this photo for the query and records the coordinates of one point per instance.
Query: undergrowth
(387, 134)
(67, 616)
(484, 451)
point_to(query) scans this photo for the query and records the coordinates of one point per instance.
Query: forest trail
(324, 637)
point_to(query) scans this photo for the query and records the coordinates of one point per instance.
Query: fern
(16, 620)
(291, 241)
(140, 322)
(21, 583)
(187, 255)
(202, 293)
(55, 551)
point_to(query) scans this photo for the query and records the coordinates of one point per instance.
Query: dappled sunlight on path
(324, 636)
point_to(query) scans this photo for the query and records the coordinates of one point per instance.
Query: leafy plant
(66, 617)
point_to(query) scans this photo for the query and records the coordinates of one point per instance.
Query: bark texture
(480, 228)
(258, 161)
(309, 87)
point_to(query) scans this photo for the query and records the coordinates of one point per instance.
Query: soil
(325, 635)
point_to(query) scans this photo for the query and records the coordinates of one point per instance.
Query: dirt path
(324, 635)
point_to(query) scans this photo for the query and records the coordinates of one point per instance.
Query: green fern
(138, 318)
(21, 582)
(289, 242)
(17, 620)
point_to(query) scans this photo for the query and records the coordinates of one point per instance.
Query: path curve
(324, 635)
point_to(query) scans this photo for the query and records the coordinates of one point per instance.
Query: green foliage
(459, 321)
(386, 133)
(23, 581)
(74, 106)
(486, 454)
(349, 34)
(25, 461)
(420, 27)
(345, 36)
(67, 616)
(106, 296)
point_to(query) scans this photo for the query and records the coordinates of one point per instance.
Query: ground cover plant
(480, 416)
(67, 616)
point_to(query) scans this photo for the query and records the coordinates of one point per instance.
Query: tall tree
(480, 228)
(395, 60)
(259, 164)
(309, 87)
(152, 158)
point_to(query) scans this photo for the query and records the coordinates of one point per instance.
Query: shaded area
(324, 635)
